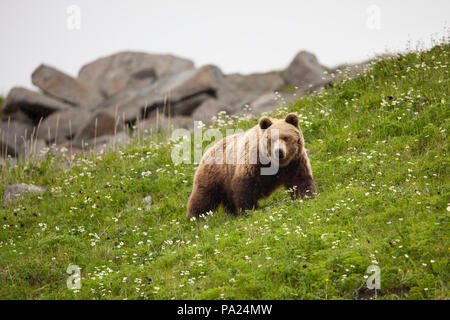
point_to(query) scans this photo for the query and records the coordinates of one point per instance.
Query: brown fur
(237, 182)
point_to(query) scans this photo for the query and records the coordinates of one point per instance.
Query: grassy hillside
(379, 152)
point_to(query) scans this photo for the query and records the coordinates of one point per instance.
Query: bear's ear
(265, 122)
(292, 118)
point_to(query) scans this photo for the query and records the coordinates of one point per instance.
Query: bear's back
(237, 149)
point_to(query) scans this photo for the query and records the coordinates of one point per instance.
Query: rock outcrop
(101, 123)
(33, 104)
(64, 125)
(66, 88)
(177, 94)
(12, 137)
(136, 93)
(136, 70)
(305, 71)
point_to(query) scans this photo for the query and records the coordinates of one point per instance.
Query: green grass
(379, 151)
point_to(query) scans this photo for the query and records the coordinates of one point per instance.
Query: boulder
(187, 84)
(265, 103)
(101, 123)
(18, 116)
(16, 191)
(66, 88)
(115, 73)
(186, 107)
(12, 136)
(257, 83)
(270, 101)
(64, 125)
(236, 90)
(305, 71)
(33, 104)
(208, 109)
(178, 94)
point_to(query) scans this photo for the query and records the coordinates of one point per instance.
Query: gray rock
(64, 125)
(12, 136)
(186, 107)
(179, 94)
(101, 123)
(33, 104)
(131, 69)
(16, 191)
(18, 116)
(258, 82)
(265, 103)
(236, 91)
(209, 109)
(270, 101)
(305, 71)
(66, 88)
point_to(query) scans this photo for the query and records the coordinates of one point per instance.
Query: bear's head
(282, 139)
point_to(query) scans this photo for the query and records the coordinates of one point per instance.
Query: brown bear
(245, 167)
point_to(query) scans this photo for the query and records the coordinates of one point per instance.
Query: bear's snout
(311, 190)
(279, 153)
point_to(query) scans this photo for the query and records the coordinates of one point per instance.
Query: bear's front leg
(244, 196)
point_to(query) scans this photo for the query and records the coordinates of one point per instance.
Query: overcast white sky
(238, 36)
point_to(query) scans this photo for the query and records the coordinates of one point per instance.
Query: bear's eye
(285, 138)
